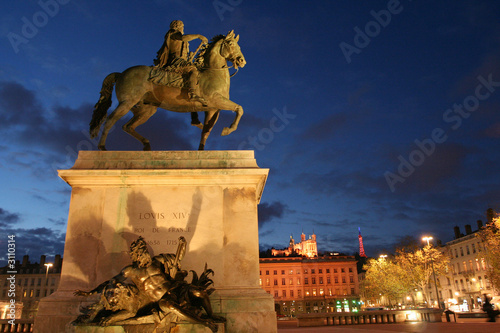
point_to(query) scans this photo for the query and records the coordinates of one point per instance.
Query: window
(467, 249)
(477, 265)
(313, 271)
(299, 293)
(39, 282)
(328, 280)
(275, 272)
(298, 281)
(260, 282)
(464, 265)
(471, 268)
(275, 282)
(306, 280)
(352, 291)
(32, 281)
(276, 293)
(314, 292)
(37, 294)
(328, 271)
(335, 270)
(291, 281)
(305, 271)
(483, 264)
(342, 270)
(267, 282)
(282, 272)
(290, 271)
(461, 251)
(320, 280)
(321, 291)
(283, 281)
(351, 279)
(313, 279)
(320, 271)
(291, 293)
(456, 253)
(343, 279)
(336, 279)
(267, 272)
(283, 293)
(473, 248)
(350, 270)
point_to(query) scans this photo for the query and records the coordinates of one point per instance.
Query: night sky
(382, 115)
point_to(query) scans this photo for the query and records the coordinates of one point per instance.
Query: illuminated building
(33, 281)
(466, 281)
(310, 283)
(307, 248)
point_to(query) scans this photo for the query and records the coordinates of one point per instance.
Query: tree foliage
(384, 278)
(410, 270)
(490, 235)
(418, 266)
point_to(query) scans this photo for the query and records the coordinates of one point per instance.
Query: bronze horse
(136, 93)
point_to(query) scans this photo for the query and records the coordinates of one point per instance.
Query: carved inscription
(167, 234)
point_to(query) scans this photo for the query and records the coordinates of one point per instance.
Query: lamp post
(47, 274)
(433, 273)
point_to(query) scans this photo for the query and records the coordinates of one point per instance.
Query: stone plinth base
(147, 328)
(208, 197)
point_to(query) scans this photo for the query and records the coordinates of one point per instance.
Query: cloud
(36, 242)
(56, 134)
(8, 218)
(326, 127)
(267, 211)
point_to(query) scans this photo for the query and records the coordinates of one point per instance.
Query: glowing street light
(47, 273)
(428, 238)
(382, 256)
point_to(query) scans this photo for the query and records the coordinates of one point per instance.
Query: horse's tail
(102, 106)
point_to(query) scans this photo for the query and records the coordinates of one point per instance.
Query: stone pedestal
(209, 197)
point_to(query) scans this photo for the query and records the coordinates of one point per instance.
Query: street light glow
(427, 238)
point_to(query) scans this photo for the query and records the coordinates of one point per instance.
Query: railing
(368, 317)
(20, 325)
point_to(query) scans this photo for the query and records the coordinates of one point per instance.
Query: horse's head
(231, 51)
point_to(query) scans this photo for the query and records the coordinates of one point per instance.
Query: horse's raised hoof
(226, 131)
(199, 125)
(102, 147)
(147, 147)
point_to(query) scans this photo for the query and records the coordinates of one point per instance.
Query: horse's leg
(141, 114)
(119, 112)
(210, 120)
(222, 103)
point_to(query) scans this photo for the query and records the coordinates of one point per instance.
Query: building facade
(29, 283)
(308, 285)
(463, 287)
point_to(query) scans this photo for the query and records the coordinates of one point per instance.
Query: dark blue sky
(387, 111)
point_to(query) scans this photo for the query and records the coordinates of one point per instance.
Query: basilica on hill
(306, 248)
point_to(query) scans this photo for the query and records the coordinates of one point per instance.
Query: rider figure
(174, 54)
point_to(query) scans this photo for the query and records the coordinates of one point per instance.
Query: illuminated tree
(416, 266)
(384, 278)
(490, 236)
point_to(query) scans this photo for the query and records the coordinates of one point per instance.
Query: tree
(384, 278)
(490, 236)
(417, 266)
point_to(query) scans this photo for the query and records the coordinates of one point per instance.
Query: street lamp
(382, 256)
(47, 274)
(428, 238)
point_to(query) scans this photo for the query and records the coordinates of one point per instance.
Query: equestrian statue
(179, 81)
